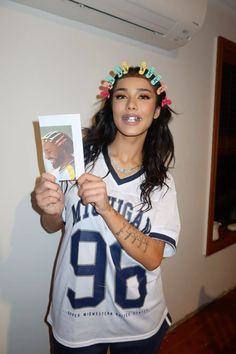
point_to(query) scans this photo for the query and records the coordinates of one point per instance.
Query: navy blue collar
(113, 172)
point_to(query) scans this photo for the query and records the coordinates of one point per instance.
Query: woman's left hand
(92, 190)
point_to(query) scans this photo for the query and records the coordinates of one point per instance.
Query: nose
(131, 104)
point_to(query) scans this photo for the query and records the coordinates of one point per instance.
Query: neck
(126, 151)
(125, 156)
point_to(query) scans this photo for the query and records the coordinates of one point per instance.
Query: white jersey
(100, 293)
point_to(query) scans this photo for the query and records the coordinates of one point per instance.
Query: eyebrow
(138, 89)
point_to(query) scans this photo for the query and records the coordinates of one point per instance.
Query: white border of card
(70, 125)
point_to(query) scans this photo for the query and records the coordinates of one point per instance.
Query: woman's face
(134, 106)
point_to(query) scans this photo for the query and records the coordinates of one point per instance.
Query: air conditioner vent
(167, 24)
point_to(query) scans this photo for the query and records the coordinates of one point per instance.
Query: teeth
(133, 119)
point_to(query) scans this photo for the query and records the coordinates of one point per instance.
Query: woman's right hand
(49, 196)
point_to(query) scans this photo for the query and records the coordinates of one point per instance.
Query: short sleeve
(165, 220)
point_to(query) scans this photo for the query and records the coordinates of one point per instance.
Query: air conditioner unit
(167, 24)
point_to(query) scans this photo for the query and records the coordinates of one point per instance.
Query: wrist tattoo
(128, 231)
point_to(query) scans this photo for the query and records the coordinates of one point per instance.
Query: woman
(121, 219)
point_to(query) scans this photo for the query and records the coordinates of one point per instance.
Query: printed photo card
(62, 145)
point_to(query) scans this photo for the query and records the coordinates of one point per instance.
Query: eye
(120, 96)
(144, 97)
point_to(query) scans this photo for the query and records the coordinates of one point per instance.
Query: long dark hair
(158, 148)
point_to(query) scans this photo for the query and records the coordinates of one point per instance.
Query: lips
(131, 119)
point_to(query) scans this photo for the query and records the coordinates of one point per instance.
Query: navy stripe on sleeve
(164, 238)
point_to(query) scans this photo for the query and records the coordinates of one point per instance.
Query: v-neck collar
(114, 174)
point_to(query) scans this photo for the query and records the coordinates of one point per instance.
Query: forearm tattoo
(128, 231)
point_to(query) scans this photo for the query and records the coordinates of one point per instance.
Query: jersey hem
(166, 318)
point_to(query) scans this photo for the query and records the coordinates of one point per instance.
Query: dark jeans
(146, 346)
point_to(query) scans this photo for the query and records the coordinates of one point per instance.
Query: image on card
(62, 146)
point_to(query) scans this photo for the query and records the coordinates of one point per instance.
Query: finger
(50, 200)
(48, 196)
(87, 191)
(45, 200)
(92, 185)
(47, 185)
(94, 196)
(48, 177)
(87, 177)
(52, 193)
(52, 209)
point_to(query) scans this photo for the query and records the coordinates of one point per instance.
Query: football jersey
(100, 293)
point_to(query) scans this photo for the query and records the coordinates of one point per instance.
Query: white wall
(50, 65)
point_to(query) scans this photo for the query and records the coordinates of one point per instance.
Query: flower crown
(148, 72)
